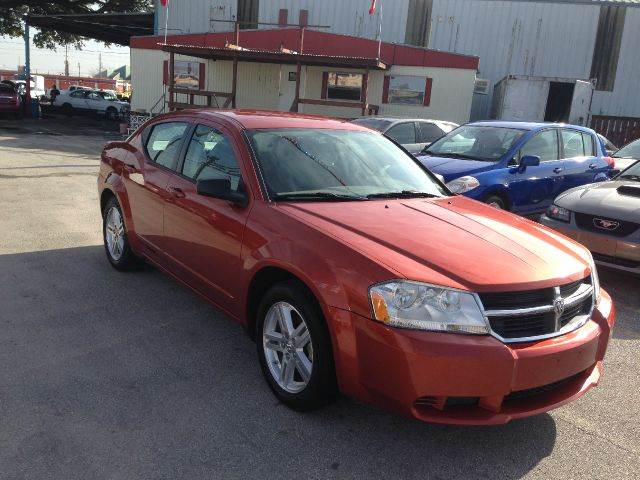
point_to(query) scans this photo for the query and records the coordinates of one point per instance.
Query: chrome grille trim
(584, 291)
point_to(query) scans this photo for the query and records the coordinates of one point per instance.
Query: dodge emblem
(606, 224)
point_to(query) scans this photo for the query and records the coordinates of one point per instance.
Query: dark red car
(355, 269)
(10, 101)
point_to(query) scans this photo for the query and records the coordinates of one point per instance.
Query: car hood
(450, 241)
(603, 199)
(452, 168)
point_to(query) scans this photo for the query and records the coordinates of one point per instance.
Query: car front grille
(606, 225)
(542, 313)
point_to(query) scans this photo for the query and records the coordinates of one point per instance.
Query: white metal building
(593, 40)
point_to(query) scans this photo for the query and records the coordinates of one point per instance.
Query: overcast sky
(52, 61)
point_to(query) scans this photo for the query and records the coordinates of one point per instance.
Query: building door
(581, 103)
(287, 87)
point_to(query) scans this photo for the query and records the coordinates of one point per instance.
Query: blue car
(517, 166)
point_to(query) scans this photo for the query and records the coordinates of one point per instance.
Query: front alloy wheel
(116, 244)
(294, 347)
(287, 347)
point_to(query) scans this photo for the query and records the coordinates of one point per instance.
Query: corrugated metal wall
(350, 17)
(536, 38)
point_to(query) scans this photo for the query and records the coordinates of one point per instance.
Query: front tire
(496, 202)
(294, 347)
(116, 243)
(111, 114)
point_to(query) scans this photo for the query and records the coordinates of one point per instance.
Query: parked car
(604, 218)
(609, 147)
(10, 101)
(413, 134)
(325, 239)
(626, 156)
(517, 166)
(81, 99)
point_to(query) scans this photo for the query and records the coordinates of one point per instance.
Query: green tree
(13, 11)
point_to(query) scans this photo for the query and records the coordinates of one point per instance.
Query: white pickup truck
(83, 100)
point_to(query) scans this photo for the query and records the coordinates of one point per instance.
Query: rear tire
(294, 347)
(496, 202)
(111, 114)
(116, 243)
(67, 109)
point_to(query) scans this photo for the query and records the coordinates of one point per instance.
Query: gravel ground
(105, 375)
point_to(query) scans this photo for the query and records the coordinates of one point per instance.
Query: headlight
(559, 213)
(418, 306)
(463, 184)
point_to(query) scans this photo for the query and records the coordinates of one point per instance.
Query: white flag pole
(166, 21)
(380, 31)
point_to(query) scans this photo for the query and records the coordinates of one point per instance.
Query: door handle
(557, 170)
(592, 166)
(176, 192)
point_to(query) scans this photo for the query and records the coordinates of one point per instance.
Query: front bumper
(620, 253)
(466, 379)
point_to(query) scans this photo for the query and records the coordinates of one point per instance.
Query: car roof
(398, 120)
(527, 125)
(262, 119)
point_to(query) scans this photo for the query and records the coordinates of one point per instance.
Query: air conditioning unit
(481, 86)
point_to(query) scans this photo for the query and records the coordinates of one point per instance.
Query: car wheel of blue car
(496, 202)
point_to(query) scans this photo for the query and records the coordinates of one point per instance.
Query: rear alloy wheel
(116, 244)
(294, 347)
(496, 202)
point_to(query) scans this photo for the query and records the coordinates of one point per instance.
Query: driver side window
(210, 155)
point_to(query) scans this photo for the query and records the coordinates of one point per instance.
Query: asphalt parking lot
(105, 375)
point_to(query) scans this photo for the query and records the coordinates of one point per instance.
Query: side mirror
(529, 161)
(220, 188)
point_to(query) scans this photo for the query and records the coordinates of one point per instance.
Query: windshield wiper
(460, 156)
(403, 194)
(316, 196)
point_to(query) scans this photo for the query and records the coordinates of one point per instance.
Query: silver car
(626, 156)
(414, 134)
(605, 217)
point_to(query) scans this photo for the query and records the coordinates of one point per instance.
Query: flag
(164, 2)
(372, 8)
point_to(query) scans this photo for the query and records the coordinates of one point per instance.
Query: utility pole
(66, 60)
(78, 68)
(27, 67)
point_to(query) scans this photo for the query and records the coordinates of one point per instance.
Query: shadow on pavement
(129, 375)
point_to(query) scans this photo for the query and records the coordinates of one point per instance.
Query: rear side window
(573, 143)
(589, 145)
(403, 133)
(163, 144)
(210, 155)
(543, 145)
(429, 132)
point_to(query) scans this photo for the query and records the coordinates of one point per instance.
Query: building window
(344, 86)
(607, 46)
(248, 13)
(406, 90)
(186, 74)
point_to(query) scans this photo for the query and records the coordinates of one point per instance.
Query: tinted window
(163, 145)
(573, 143)
(210, 155)
(476, 142)
(77, 94)
(4, 88)
(373, 123)
(403, 133)
(544, 145)
(429, 132)
(629, 151)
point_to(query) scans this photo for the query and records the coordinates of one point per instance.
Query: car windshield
(631, 173)
(374, 123)
(333, 165)
(107, 96)
(629, 151)
(475, 142)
